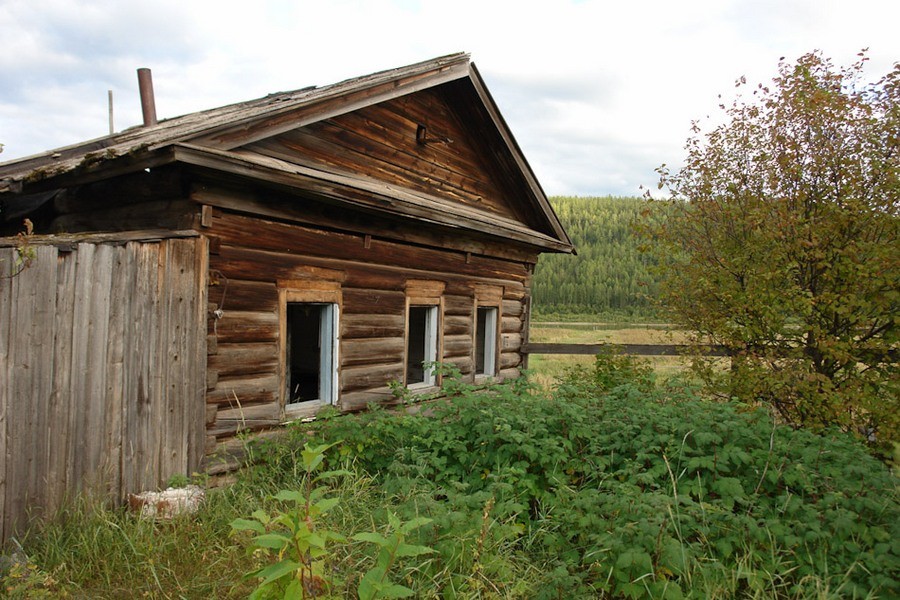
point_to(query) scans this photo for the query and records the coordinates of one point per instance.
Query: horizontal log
(512, 308)
(509, 360)
(514, 291)
(269, 411)
(233, 360)
(509, 374)
(354, 401)
(458, 325)
(373, 302)
(371, 351)
(457, 345)
(465, 364)
(636, 349)
(266, 235)
(511, 324)
(459, 305)
(372, 326)
(285, 207)
(243, 326)
(370, 377)
(510, 342)
(237, 294)
(247, 390)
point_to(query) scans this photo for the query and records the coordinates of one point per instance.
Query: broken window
(421, 345)
(311, 344)
(486, 340)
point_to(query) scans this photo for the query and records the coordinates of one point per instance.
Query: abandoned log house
(245, 266)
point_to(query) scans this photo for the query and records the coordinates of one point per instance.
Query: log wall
(250, 255)
(102, 371)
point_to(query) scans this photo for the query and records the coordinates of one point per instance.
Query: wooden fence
(636, 349)
(102, 370)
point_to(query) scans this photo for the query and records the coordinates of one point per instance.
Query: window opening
(311, 345)
(421, 345)
(486, 340)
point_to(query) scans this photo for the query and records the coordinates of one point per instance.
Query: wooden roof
(222, 138)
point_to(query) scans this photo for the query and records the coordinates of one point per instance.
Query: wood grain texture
(108, 374)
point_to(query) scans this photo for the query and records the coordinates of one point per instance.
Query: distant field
(547, 369)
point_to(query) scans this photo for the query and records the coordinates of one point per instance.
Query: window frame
(487, 297)
(428, 294)
(314, 292)
(490, 338)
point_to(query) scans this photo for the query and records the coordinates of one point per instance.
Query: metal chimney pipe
(148, 102)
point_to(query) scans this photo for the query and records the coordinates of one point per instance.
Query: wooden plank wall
(380, 141)
(102, 372)
(249, 255)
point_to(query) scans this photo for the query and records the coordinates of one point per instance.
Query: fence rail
(635, 349)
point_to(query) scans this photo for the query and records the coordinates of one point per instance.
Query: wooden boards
(102, 372)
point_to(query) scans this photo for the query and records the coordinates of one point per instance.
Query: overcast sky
(598, 93)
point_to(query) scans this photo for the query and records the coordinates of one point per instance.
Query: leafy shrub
(616, 489)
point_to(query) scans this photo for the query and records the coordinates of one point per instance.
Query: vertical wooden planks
(61, 408)
(178, 384)
(43, 272)
(138, 457)
(31, 305)
(96, 403)
(77, 424)
(114, 404)
(102, 372)
(195, 413)
(6, 261)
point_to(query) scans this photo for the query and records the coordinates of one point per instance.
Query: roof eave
(367, 195)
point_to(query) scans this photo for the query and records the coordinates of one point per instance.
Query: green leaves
(376, 583)
(294, 535)
(780, 242)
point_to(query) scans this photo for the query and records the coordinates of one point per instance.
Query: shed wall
(102, 372)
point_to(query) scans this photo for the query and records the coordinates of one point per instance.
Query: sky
(598, 93)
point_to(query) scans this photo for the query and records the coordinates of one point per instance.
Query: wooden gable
(417, 142)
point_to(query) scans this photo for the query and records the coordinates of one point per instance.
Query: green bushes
(632, 494)
(608, 487)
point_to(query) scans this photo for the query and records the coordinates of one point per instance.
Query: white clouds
(597, 93)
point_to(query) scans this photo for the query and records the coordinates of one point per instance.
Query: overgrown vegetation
(610, 278)
(781, 242)
(610, 486)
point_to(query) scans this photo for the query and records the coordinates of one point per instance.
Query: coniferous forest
(609, 277)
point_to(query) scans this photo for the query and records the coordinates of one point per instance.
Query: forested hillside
(609, 277)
